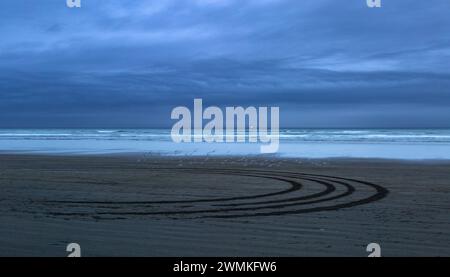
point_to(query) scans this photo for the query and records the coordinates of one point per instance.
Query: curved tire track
(338, 193)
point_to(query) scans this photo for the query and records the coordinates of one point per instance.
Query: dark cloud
(127, 63)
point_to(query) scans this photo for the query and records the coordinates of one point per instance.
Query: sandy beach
(140, 205)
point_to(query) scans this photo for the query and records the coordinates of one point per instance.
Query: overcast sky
(326, 63)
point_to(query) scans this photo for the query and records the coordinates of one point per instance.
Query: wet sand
(140, 205)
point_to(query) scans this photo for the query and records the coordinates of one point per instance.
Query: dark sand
(156, 206)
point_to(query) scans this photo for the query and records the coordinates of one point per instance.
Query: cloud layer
(125, 63)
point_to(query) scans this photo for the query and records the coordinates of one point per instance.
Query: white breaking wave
(305, 143)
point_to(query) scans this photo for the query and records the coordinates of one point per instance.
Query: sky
(127, 64)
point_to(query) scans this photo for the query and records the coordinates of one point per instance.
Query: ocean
(410, 144)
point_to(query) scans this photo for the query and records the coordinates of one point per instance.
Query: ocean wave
(288, 135)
